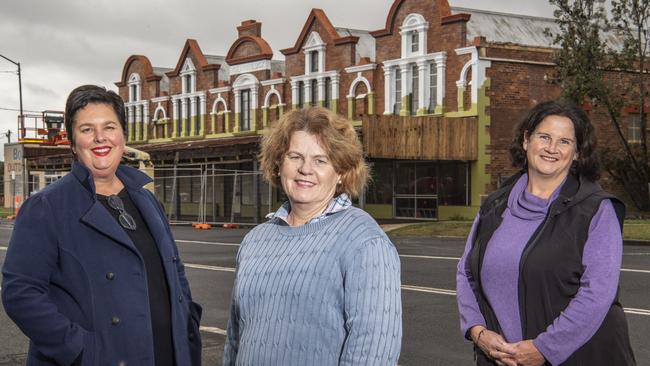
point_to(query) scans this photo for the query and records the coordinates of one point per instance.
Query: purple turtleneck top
(500, 275)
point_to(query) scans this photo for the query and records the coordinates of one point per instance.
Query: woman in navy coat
(92, 274)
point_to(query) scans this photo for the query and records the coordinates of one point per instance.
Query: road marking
(637, 311)
(214, 330)
(636, 253)
(211, 268)
(207, 243)
(428, 257)
(439, 291)
(634, 270)
(3, 248)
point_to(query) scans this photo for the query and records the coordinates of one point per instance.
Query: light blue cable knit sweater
(326, 293)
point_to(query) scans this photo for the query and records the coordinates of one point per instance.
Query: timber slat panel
(430, 138)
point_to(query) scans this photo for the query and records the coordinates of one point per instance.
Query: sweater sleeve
(373, 307)
(32, 259)
(231, 346)
(602, 256)
(466, 287)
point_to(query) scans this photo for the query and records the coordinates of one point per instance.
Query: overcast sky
(63, 44)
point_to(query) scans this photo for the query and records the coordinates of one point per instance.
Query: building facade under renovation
(434, 96)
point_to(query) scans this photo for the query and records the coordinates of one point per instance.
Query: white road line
(3, 248)
(637, 311)
(214, 330)
(634, 270)
(211, 268)
(207, 243)
(428, 257)
(439, 291)
(636, 253)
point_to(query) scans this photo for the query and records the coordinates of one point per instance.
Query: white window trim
(355, 82)
(478, 67)
(245, 81)
(188, 69)
(159, 109)
(438, 58)
(414, 23)
(267, 98)
(215, 105)
(314, 43)
(306, 79)
(135, 79)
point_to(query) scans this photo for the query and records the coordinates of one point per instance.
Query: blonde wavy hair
(336, 136)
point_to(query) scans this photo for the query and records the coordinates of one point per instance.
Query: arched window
(135, 85)
(414, 35)
(415, 41)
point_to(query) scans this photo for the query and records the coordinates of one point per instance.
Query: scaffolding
(208, 193)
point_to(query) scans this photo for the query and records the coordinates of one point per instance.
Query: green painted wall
(380, 211)
(480, 178)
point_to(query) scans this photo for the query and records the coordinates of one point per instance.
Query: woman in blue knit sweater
(319, 283)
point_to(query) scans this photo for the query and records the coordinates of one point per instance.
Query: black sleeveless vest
(550, 270)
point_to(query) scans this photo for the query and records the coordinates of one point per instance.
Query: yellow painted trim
(356, 123)
(334, 106)
(159, 140)
(404, 111)
(461, 99)
(175, 124)
(351, 105)
(265, 116)
(237, 121)
(470, 113)
(218, 135)
(480, 178)
(371, 103)
(186, 138)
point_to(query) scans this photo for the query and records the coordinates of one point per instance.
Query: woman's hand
(527, 354)
(494, 346)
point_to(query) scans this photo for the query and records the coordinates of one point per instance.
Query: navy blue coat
(75, 284)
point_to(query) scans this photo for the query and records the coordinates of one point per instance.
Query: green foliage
(585, 60)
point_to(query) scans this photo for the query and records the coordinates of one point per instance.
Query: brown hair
(337, 137)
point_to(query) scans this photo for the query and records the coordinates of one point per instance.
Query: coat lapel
(98, 218)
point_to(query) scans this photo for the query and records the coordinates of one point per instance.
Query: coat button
(191, 335)
(110, 276)
(115, 320)
(174, 259)
(180, 298)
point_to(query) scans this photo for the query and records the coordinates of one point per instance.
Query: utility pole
(20, 91)
(8, 135)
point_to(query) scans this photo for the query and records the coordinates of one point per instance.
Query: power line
(18, 110)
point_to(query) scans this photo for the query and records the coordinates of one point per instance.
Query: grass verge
(633, 229)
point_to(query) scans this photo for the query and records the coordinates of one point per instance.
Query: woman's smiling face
(98, 139)
(306, 173)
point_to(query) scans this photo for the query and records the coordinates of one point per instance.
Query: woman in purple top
(538, 282)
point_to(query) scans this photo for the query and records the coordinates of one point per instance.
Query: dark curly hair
(91, 94)
(587, 164)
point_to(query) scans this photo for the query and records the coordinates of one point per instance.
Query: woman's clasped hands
(522, 353)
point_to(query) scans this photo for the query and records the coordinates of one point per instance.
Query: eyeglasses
(544, 139)
(125, 219)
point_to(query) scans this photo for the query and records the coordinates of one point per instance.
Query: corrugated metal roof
(518, 29)
(508, 28)
(365, 46)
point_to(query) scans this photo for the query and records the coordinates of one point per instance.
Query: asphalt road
(431, 331)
